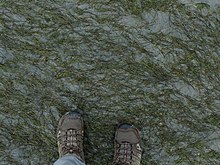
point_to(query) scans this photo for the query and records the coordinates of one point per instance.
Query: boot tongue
(127, 135)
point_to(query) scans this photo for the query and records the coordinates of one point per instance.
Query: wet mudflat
(153, 64)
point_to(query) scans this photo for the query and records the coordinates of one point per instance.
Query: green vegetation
(155, 64)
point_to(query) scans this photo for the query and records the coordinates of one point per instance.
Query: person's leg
(70, 135)
(69, 160)
(128, 149)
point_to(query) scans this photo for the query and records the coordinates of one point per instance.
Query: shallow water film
(155, 64)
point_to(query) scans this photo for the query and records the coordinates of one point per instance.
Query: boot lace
(124, 154)
(71, 141)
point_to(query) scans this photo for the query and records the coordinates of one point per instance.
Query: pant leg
(69, 160)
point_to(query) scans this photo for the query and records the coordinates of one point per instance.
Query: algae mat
(155, 64)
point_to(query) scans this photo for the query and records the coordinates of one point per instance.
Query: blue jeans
(69, 160)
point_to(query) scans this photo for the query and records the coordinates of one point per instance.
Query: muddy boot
(70, 135)
(128, 150)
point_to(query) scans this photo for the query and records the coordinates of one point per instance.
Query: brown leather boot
(128, 150)
(70, 134)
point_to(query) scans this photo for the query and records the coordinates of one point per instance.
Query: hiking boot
(128, 149)
(70, 135)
